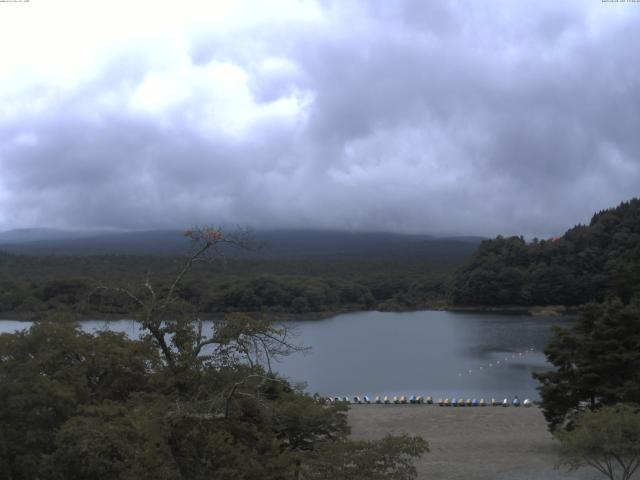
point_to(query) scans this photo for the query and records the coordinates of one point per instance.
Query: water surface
(443, 354)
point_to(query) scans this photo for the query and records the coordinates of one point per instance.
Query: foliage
(390, 458)
(181, 403)
(34, 287)
(607, 440)
(588, 263)
(597, 361)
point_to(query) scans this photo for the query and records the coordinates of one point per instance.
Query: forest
(41, 286)
(587, 264)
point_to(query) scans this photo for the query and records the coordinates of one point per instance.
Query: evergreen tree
(597, 362)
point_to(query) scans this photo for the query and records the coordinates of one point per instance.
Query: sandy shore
(482, 443)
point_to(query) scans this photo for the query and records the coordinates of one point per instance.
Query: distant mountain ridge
(291, 244)
(22, 235)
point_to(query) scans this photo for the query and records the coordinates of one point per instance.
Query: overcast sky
(457, 117)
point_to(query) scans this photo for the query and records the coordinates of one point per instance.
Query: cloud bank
(413, 116)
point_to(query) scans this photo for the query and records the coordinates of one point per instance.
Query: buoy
(505, 402)
(482, 403)
(366, 399)
(526, 403)
(378, 399)
(430, 400)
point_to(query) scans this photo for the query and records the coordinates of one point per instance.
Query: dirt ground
(479, 443)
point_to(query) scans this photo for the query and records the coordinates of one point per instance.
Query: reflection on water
(443, 354)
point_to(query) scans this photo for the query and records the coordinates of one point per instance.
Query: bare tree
(180, 334)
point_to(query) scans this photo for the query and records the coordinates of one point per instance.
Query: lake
(443, 354)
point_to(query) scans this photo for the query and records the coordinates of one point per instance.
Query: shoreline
(534, 311)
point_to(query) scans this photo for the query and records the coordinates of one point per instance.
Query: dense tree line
(588, 263)
(39, 287)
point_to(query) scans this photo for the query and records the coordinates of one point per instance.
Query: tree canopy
(607, 440)
(588, 263)
(180, 403)
(597, 361)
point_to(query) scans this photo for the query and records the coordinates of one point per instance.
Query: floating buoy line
(498, 363)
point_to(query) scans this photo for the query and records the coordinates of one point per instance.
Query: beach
(471, 443)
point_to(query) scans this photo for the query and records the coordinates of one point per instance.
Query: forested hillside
(588, 263)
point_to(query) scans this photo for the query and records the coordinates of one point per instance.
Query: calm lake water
(443, 354)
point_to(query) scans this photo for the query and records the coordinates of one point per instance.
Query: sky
(417, 116)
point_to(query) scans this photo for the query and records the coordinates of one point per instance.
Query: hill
(275, 244)
(588, 263)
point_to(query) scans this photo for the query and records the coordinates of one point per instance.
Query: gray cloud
(429, 117)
